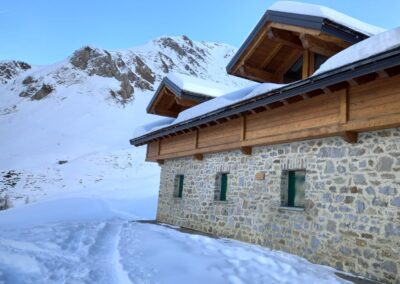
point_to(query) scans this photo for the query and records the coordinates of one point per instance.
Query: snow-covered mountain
(65, 127)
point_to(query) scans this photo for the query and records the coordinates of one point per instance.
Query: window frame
(221, 187)
(178, 185)
(290, 190)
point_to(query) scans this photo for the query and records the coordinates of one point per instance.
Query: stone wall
(351, 219)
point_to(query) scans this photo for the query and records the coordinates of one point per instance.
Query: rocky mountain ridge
(66, 126)
(138, 68)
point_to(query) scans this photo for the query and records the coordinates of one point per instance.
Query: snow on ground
(92, 239)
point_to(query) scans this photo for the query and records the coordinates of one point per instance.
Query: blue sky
(46, 31)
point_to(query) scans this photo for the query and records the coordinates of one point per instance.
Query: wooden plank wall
(371, 106)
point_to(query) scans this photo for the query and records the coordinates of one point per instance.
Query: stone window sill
(220, 201)
(296, 209)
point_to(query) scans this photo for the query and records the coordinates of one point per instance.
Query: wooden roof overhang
(280, 39)
(385, 64)
(169, 100)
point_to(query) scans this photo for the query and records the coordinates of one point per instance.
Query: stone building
(305, 161)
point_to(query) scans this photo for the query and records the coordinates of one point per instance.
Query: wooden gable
(168, 104)
(277, 45)
(169, 100)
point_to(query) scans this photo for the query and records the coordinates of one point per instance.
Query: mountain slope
(66, 126)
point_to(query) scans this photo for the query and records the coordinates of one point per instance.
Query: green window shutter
(224, 186)
(292, 188)
(300, 189)
(296, 188)
(181, 177)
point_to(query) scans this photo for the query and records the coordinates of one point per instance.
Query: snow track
(89, 240)
(102, 260)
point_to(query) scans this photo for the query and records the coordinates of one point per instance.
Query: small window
(178, 189)
(221, 187)
(319, 60)
(293, 188)
(295, 72)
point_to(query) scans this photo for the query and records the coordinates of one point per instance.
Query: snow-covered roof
(186, 87)
(227, 99)
(325, 12)
(150, 127)
(376, 44)
(199, 86)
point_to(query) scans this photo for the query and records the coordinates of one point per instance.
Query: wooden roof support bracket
(382, 74)
(247, 150)
(327, 91)
(350, 137)
(352, 82)
(198, 157)
(160, 162)
(319, 46)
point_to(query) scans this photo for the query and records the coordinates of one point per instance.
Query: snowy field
(93, 239)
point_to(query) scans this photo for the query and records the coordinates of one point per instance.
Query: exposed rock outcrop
(10, 69)
(43, 92)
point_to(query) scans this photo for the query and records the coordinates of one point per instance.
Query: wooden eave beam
(296, 29)
(319, 46)
(184, 102)
(258, 74)
(284, 37)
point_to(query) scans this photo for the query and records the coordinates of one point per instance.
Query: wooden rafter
(285, 37)
(319, 46)
(271, 54)
(290, 60)
(252, 47)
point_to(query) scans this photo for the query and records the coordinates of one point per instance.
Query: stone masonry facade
(351, 219)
